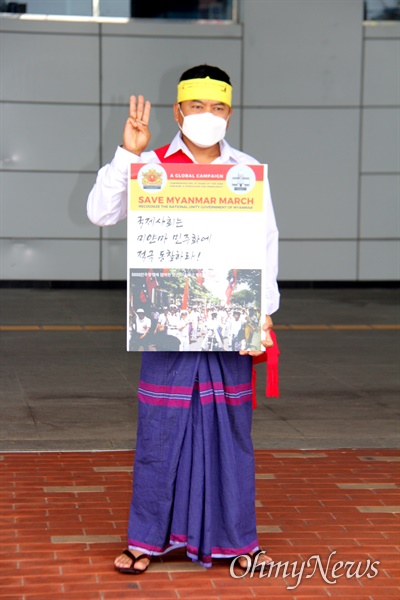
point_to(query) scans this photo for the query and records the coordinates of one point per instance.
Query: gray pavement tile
(276, 429)
(18, 431)
(13, 398)
(337, 306)
(265, 414)
(15, 413)
(330, 410)
(341, 427)
(57, 445)
(51, 429)
(77, 416)
(66, 382)
(77, 390)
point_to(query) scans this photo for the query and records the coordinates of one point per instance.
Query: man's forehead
(212, 102)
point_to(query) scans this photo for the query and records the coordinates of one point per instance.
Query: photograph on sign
(194, 309)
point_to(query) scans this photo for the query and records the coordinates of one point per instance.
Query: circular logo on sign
(152, 177)
(240, 179)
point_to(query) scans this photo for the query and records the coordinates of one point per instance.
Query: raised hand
(136, 134)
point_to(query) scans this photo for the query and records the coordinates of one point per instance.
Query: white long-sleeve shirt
(108, 199)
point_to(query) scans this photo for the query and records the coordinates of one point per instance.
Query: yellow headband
(205, 89)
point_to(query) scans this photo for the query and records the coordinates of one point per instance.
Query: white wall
(316, 95)
(379, 207)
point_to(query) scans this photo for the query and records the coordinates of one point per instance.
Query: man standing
(184, 331)
(237, 331)
(194, 461)
(213, 331)
(140, 330)
(194, 317)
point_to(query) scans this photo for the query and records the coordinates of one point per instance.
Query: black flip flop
(131, 570)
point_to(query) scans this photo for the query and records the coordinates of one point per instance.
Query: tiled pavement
(68, 388)
(64, 517)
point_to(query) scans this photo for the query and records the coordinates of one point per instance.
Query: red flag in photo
(143, 295)
(151, 282)
(231, 287)
(185, 294)
(200, 278)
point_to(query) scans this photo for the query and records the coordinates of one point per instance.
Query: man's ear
(229, 118)
(177, 113)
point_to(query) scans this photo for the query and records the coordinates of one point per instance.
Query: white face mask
(204, 129)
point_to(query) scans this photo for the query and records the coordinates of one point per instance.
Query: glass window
(382, 10)
(72, 8)
(182, 9)
(78, 8)
(214, 10)
(225, 10)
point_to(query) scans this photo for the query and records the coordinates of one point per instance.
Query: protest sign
(196, 256)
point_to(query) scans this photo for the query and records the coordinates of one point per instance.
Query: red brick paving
(313, 516)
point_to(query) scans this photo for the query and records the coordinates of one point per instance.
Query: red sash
(271, 355)
(177, 157)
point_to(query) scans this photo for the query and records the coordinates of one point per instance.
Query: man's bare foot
(259, 556)
(124, 562)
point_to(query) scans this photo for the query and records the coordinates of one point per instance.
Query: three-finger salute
(136, 134)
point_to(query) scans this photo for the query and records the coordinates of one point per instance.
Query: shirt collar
(227, 152)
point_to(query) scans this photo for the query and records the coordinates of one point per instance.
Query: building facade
(316, 96)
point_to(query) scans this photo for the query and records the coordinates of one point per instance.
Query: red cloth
(178, 157)
(151, 282)
(185, 297)
(271, 355)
